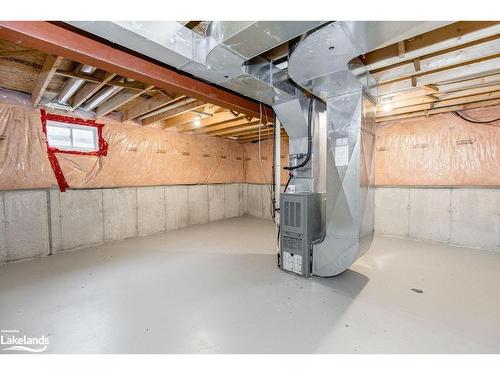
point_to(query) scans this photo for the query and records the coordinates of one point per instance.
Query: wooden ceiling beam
(470, 83)
(48, 70)
(138, 86)
(57, 40)
(209, 130)
(173, 112)
(88, 89)
(440, 61)
(238, 129)
(449, 36)
(263, 136)
(18, 52)
(179, 121)
(254, 129)
(468, 92)
(216, 119)
(256, 134)
(119, 99)
(453, 108)
(158, 100)
(443, 103)
(452, 74)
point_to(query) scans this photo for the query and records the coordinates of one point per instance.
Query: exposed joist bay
(173, 112)
(89, 89)
(120, 99)
(158, 100)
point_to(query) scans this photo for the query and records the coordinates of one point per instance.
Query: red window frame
(51, 150)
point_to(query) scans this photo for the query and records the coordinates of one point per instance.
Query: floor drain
(417, 290)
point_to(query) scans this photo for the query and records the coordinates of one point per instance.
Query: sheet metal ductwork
(339, 174)
(324, 63)
(226, 56)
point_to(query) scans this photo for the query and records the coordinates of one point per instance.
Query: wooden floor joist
(122, 98)
(240, 129)
(206, 123)
(56, 40)
(158, 100)
(237, 122)
(173, 112)
(453, 108)
(89, 89)
(48, 70)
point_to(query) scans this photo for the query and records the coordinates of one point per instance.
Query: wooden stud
(48, 70)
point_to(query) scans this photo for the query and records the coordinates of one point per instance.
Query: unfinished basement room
(249, 187)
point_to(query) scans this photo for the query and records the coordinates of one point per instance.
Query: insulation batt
(441, 150)
(137, 156)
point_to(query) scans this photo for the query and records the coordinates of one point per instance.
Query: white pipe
(277, 173)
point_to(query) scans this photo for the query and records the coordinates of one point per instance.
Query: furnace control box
(300, 227)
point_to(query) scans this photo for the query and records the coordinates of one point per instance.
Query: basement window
(72, 137)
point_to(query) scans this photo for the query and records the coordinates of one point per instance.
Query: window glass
(58, 136)
(75, 137)
(84, 138)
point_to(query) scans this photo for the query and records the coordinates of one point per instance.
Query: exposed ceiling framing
(453, 68)
(448, 69)
(144, 103)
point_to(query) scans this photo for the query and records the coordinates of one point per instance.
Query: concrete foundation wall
(42, 222)
(258, 200)
(457, 216)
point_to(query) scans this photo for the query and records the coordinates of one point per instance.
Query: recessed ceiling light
(197, 122)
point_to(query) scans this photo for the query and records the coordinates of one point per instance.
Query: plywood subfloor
(215, 288)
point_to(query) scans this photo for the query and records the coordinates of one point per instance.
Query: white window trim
(67, 125)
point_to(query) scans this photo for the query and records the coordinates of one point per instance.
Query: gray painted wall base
(467, 217)
(41, 222)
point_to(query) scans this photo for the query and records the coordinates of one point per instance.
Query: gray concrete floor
(215, 288)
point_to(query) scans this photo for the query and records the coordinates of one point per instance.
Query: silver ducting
(325, 64)
(226, 56)
(338, 178)
(73, 84)
(101, 96)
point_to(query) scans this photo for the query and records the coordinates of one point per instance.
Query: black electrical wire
(309, 138)
(279, 226)
(474, 121)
